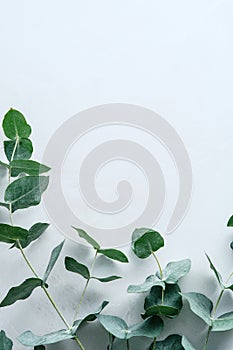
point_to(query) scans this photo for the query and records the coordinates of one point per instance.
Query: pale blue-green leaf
(114, 325)
(200, 305)
(150, 328)
(147, 285)
(175, 270)
(186, 344)
(223, 323)
(53, 259)
(30, 339)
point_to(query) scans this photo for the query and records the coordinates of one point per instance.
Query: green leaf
(87, 238)
(175, 270)
(10, 234)
(39, 347)
(230, 222)
(230, 287)
(15, 125)
(23, 149)
(231, 245)
(217, 274)
(34, 233)
(114, 254)
(5, 343)
(147, 285)
(223, 323)
(4, 165)
(5, 205)
(74, 266)
(168, 304)
(173, 342)
(26, 191)
(107, 279)
(146, 241)
(52, 261)
(200, 305)
(29, 167)
(114, 325)
(89, 318)
(30, 339)
(149, 328)
(21, 292)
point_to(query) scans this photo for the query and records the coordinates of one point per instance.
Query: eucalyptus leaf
(89, 318)
(200, 305)
(231, 245)
(168, 303)
(34, 233)
(26, 191)
(223, 323)
(186, 344)
(10, 234)
(175, 270)
(53, 259)
(30, 339)
(114, 254)
(145, 241)
(23, 291)
(217, 274)
(29, 167)
(147, 285)
(107, 279)
(39, 347)
(74, 266)
(149, 328)
(4, 165)
(22, 149)
(230, 222)
(5, 342)
(15, 125)
(5, 205)
(87, 238)
(173, 342)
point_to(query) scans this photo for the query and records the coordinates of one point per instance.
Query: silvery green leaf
(74, 266)
(147, 285)
(29, 167)
(87, 238)
(217, 274)
(53, 259)
(223, 323)
(15, 126)
(30, 339)
(10, 234)
(34, 233)
(200, 305)
(175, 270)
(23, 149)
(114, 254)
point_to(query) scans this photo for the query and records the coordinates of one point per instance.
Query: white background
(174, 57)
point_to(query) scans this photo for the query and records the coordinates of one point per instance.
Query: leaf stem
(127, 344)
(207, 338)
(154, 344)
(86, 286)
(48, 295)
(160, 271)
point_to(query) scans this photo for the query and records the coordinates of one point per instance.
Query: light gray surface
(174, 57)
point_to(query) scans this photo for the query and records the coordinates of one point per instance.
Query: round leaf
(15, 125)
(145, 241)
